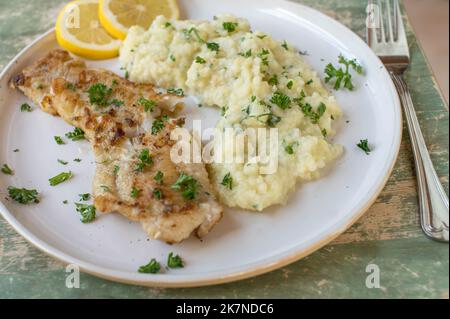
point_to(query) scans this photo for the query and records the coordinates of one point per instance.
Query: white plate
(244, 244)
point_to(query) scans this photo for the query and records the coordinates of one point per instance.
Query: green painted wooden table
(389, 235)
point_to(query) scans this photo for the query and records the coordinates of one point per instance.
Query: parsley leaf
(273, 80)
(178, 92)
(25, 107)
(61, 178)
(281, 100)
(87, 212)
(85, 197)
(76, 135)
(153, 267)
(158, 125)
(23, 195)
(147, 104)
(145, 160)
(62, 162)
(7, 170)
(285, 45)
(159, 177)
(59, 140)
(230, 26)
(342, 76)
(290, 84)
(213, 46)
(187, 185)
(364, 145)
(200, 60)
(99, 94)
(174, 261)
(227, 181)
(135, 192)
(157, 193)
(117, 102)
(246, 54)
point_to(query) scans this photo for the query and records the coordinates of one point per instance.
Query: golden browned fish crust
(128, 155)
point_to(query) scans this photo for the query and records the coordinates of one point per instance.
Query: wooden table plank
(388, 235)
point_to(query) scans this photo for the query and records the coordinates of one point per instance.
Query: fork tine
(371, 31)
(389, 18)
(401, 33)
(383, 34)
(396, 18)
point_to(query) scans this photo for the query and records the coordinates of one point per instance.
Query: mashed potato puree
(256, 81)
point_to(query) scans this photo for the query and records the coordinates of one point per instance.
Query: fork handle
(433, 201)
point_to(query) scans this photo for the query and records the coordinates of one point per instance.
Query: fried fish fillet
(135, 175)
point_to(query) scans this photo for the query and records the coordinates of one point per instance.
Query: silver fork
(388, 40)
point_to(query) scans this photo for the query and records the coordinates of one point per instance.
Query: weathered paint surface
(388, 235)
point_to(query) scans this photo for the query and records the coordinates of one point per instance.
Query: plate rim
(123, 277)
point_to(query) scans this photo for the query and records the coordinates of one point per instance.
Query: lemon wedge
(78, 29)
(117, 16)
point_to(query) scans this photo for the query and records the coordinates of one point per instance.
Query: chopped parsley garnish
(213, 46)
(285, 45)
(153, 267)
(174, 261)
(78, 160)
(7, 170)
(263, 56)
(246, 54)
(59, 140)
(262, 36)
(178, 92)
(71, 86)
(230, 26)
(273, 80)
(159, 177)
(85, 197)
(127, 75)
(172, 57)
(158, 125)
(187, 34)
(341, 75)
(99, 94)
(157, 193)
(290, 84)
(117, 102)
(62, 162)
(227, 181)
(200, 60)
(23, 195)
(145, 160)
(76, 135)
(116, 169)
(65, 202)
(321, 109)
(25, 107)
(187, 185)
(168, 24)
(324, 132)
(87, 212)
(147, 104)
(135, 192)
(289, 148)
(309, 82)
(223, 110)
(364, 145)
(281, 100)
(61, 178)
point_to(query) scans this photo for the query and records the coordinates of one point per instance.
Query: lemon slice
(79, 30)
(117, 16)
